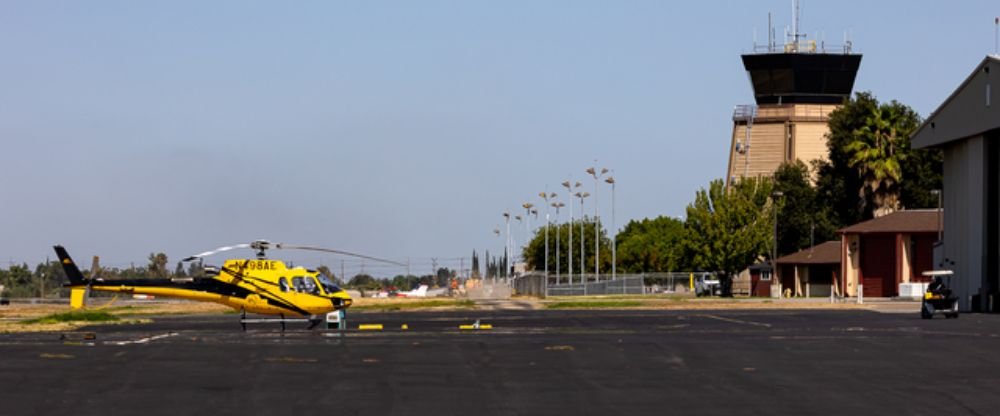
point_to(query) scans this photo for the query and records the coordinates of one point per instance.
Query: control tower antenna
(796, 17)
(770, 33)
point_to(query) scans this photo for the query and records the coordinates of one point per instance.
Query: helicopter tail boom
(72, 272)
(77, 283)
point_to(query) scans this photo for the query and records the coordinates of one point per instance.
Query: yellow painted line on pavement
(560, 348)
(370, 327)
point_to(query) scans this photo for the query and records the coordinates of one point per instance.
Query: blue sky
(396, 129)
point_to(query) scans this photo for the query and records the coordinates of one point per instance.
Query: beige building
(795, 90)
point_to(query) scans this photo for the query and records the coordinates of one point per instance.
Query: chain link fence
(622, 285)
(534, 284)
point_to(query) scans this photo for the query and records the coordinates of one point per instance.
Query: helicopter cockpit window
(308, 284)
(327, 284)
(298, 284)
(283, 284)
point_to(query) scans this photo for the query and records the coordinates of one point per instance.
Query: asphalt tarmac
(530, 363)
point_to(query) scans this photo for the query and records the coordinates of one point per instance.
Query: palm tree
(877, 152)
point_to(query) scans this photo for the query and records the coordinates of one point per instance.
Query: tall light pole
(582, 195)
(527, 224)
(569, 189)
(545, 196)
(506, 249)
(495, 231)
(597, 221)
(774, 250)
(557, 205)
(614, 236)
(519, 221)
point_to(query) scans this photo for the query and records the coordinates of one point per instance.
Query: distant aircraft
(419, 292)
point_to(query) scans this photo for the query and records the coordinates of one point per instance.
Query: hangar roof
(969, 111)
(826, 253)
(911, 221)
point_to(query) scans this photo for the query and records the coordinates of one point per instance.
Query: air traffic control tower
(796, 86)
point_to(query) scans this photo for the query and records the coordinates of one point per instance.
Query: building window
(791, 143)
(765, 275)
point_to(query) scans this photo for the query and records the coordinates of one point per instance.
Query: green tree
(51, 277)
(871, 166)
(801, 216)
(404, 282)
(179, 270)
(922, 173)
(443, 276)
(728, 230)
(19, 282)
(158, 265)
(651, 245)
(534, 252)
(364, 282)
(878, 152)
(475, 266)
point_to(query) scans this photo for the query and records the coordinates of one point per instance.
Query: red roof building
(880, 254)
(811, 272)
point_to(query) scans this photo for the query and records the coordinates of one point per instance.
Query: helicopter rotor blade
(330, 250)
(218, 250)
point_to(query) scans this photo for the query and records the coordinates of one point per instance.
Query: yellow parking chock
(473, 326)
(370, 327)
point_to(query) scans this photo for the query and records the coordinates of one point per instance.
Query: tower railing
(805, 46)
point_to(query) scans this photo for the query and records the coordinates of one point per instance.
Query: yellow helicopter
(262, 286)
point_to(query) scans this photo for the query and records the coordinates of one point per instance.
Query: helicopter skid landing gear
(282, 320)
(314, 321)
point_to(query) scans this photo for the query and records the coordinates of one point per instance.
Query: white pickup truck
(707, 285)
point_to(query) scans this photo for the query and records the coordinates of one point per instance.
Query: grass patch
(594, 304)
(674, 297)
(415, 305)
(74, 316)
